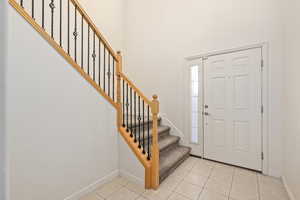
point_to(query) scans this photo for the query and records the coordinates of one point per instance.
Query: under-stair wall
(129, 165)
(62, 133)
(2, 93)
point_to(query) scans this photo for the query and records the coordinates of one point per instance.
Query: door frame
(264, 93)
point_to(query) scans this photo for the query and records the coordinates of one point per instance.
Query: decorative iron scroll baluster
(88, 56)
(135, 129)
(32, 9)
(144, 127)
(60, 23)
(139, 119)
(108, 75)
(75, 34)
(21, 3)
(43, 14)
(113, 87)
(82, 42)
(99, 72)
(94, 57)
(131, 125)
(148, 133)
(68, 27)
(127, 108)
(52, 6)
(123, 103)
(104, 69)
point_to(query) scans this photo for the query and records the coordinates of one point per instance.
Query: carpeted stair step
(167, 142)
(171, 159)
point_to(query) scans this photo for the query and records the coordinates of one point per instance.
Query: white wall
(2, 91)
(61, 132)
(108, 16)
(129, 164)
(291, 100)
(159, 34)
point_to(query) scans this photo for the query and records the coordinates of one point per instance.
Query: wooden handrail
(150, 163)
(94, 27)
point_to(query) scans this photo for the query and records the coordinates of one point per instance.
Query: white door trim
(265, 93)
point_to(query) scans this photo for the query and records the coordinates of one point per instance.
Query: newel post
(155, 147)
(118, 73)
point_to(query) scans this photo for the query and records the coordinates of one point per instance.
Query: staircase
(172, 154)
(89, 53)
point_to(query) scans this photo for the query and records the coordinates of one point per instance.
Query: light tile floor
(198, 179)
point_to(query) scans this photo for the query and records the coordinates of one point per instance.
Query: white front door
(232, 108)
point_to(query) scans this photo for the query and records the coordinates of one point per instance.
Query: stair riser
(163, 176)
(169, 147)
(173, 145)
(162, 134)
(144, 124)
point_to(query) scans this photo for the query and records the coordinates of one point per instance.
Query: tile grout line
(258, 187)
(181, 181)
(231, 185)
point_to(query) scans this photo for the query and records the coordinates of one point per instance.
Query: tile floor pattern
(198, 179)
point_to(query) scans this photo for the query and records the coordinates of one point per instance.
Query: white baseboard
(131, 177)
(274, 173)
(93, 186)
(287, 188)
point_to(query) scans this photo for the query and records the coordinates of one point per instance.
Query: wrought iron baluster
(135, 123)
(68, 26)
(108, 75)
(32, 9)
(114, 76)
(139, 119)
(99, 72)
(127, 108)
(94, 57)
(131, 125)
(88, 56)
(60, 23)
(123, 103)
(144, 127)
(22, 3)
(82, 42)
(104, 69)
(52, 6)
(43, 14)
(148, 133)
(75, 34)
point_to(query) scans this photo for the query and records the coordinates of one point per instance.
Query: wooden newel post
(155, 147)
(118, 71)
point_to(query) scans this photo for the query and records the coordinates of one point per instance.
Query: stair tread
(170, 158)
(141, 122)
(167, 141)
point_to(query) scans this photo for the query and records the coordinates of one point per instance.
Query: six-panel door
(232, 124)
